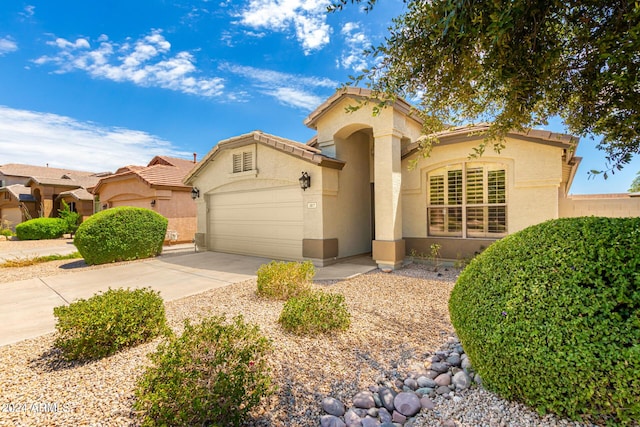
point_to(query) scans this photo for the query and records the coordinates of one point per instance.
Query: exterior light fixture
(305, 181)
(153, 203)
(195, 193)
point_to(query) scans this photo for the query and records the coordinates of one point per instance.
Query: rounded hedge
(120, 234)
(550, 316)
(41, 229)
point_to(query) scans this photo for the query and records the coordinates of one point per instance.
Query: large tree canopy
(516, 64)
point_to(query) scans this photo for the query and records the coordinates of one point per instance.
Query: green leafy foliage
(108, 322)
(551, 316)
(635, 184)
(72, 219)
(6, 232)
(41, 229)
(516, 64)
(213, 374)
(282, 280)
(315, 312)
(120, 234)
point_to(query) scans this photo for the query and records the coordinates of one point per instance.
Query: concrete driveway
(26, 309)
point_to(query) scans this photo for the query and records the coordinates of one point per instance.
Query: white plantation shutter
(467, 200)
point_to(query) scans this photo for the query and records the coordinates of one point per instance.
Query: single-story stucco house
(157, 186)
(350, 190)
(28, 191)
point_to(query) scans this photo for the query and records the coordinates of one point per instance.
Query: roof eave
(399, 104)
(568, 142)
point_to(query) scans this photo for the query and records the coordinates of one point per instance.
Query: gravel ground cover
(398, 319)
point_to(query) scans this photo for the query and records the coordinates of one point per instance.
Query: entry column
(388, 246)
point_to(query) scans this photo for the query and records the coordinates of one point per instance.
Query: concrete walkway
(26, 308)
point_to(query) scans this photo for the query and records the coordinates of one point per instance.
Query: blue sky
(98, 85)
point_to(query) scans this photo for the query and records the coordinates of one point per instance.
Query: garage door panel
(265, 223)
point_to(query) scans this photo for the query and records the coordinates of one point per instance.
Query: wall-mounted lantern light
(153, 203)
(195, 193)
(305, 181)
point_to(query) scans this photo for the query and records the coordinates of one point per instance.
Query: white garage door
(266, 223)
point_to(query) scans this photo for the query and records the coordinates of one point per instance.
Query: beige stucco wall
(175, 205)
(273, 169)
(608, 205)
(352, 209)
(387, 132)
(534, 174)
(337, 122)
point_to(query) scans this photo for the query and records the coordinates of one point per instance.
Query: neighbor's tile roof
(20, 192)
(16, 169)
(162, 171)
(52, 176)
(294, 148)
(78, 194)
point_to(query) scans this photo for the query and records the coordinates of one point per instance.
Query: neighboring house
(157, 186)
(363, 196)
(28, 191)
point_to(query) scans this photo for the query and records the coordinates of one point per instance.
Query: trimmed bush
(283, 280)
(213, 374)
(108, 322)
(550, 316)
(315, 312)
(41, 229)
(121, 234)
(72, 219)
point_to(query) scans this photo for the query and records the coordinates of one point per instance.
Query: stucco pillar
(388, 246)
(47, 203)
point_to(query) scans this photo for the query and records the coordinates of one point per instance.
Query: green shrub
(6, 232)
(282, 280)
(551, 316)
(120, 234)
(72, 219)
(213, 374)
(41, 229)
(108, 322)
(315, 312)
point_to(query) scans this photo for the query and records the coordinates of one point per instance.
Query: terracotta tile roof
(16, 169)
(20, 192)
(128, 168)
(466, 133)
(294, 148)
(162, 171)
(62, 182)
(78, 194)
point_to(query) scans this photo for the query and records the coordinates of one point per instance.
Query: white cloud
(145, 62)
(307, 19)
(295, 97)
(36, 138)
(288, 89)
(356, 41)
(7, 45)
(29, 11)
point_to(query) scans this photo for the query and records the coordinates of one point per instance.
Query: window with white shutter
(467, 200)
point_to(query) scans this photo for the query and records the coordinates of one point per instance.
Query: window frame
(453, 219)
